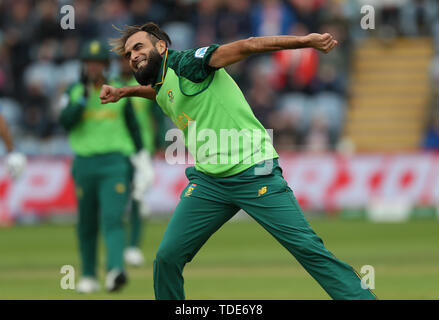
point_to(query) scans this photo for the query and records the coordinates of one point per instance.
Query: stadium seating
(390, 89)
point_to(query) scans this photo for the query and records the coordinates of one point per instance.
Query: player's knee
(168, 255)
(311, 248)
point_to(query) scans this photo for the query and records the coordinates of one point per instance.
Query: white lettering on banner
(41, 182)
(431, 188)
(406, 177)
(170, 181)
(364, 172)
(310, 177)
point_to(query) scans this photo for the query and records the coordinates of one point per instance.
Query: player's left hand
(15, 163)
(109, 94)
(322, 42)
(143, 173)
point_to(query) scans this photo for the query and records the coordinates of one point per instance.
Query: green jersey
(220, 129)
(95, 128)
(143, 110)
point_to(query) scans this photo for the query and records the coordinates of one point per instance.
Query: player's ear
(161, 47)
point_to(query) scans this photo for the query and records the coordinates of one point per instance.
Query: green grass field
(240, 261)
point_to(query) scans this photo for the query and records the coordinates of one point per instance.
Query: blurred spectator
(43, 70)
(47, 25)
(36, 117)
(417, 17)
(17, 37)
(205, 22)
(179, 10)
(112, 13)
(86, 25)
(290, 121)
(308, 13)
(143, 11)
(296, 70)
(271, 17)
(234, 21)
(333, 69)
(38, 59)
(431, 138)
(286, 133)
(318, 138)
(68, 63)
(261, 97)
(181, 33)
(6, 85)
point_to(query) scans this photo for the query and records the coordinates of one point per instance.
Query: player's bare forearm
(5, 135)
(113, 94)
(137, 91)
(235, 51)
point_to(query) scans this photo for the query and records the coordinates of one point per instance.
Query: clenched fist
(322, 42)
(109, 94)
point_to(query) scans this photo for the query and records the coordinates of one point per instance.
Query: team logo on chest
(182, 121)
(262, 191)
(190, 189)
(170, 96)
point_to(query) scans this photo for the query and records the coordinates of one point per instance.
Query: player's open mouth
(141, 64)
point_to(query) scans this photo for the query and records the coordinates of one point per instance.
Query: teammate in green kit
(145, 117)
(196, 92)
(102, 138)
(15, 161)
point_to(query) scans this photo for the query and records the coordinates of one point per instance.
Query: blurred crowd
(300, 94)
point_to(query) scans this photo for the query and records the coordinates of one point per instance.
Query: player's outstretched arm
(5, 135)
(238, 50)
(112, 94)
(15, 161)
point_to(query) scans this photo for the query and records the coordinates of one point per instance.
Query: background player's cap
(95, 50)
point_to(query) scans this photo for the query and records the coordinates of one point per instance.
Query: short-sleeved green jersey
(95, 128)
(220, 129)
(143, 110)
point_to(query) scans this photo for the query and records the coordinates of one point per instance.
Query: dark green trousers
(207, 203)
(135, 225)
(102, 185)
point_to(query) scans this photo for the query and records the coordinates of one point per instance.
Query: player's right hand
(143, 173)
(322, 42)
(109, 94)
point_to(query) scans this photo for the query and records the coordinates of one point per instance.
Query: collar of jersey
(162, 72)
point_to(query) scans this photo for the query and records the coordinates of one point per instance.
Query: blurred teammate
(193, 89)
(15, 161)
(102, 138)
(143, 110)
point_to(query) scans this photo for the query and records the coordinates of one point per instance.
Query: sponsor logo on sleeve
(200, 52)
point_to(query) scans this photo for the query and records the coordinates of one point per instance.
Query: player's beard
(148, 74)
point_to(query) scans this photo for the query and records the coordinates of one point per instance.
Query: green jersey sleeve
(73, 105)
(193, 64)
(133, 126)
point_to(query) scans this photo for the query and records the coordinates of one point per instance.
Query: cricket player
(15, 161)
(143, 109)
(103, 139)
(196, 92)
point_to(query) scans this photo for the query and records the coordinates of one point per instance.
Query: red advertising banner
(321, 182)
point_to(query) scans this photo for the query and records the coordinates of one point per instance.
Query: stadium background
(357, 131)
